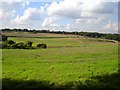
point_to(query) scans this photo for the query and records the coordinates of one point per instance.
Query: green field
(67, 62)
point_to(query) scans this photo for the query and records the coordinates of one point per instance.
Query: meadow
(69, 62)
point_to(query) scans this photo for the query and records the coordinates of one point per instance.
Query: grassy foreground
(66, 63)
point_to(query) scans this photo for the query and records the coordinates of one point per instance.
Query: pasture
(68, 62)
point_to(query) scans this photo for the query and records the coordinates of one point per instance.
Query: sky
(60, 15)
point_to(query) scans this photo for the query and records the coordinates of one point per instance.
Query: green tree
(4, 38)
(29, 44)
(41, 46)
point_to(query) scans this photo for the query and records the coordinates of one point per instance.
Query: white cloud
(111, 27)
(65, 8)
(95, 20)
(79, 8)
(8, 9)
(6, 15)
(99, 6)
(55, 25)
(57, 0)
(25, 3)
(30, 14)
(104, 0)
(49, 21)
(86, 21)
(69, 27)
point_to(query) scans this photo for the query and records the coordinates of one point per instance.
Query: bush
(4, 38)
(41, 46)
(6, 46)
(9, 42)
(20, 45)
(0, 45)
(14, 46)
(29, 44)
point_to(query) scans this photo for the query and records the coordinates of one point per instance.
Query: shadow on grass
(104, 81)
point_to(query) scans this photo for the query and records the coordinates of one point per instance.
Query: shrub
(6, 46)
(4, 38)
(0, 45)
(14, 45)
(20, 45)
(9, 42)
(29, 44)
(41, 45)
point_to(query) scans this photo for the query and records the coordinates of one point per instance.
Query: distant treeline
(86, 34)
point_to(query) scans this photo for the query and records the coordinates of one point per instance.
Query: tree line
(85, 34)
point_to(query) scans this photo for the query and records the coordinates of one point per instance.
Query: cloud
(95, 20)
(87, 21)
(25, 3)
(49, 21)
(102, 0)
(8, 9)
(55, 25)
(6, 15)
(65, 8)
(78, 9)
(111, 27)
(69, 27)
(30, 14)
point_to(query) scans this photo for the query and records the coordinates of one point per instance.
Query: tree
(10, 42)
(29, 44)
(4, 38)
(20, 45)
(41, 45)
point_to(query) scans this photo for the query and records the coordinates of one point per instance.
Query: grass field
(67, 62)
